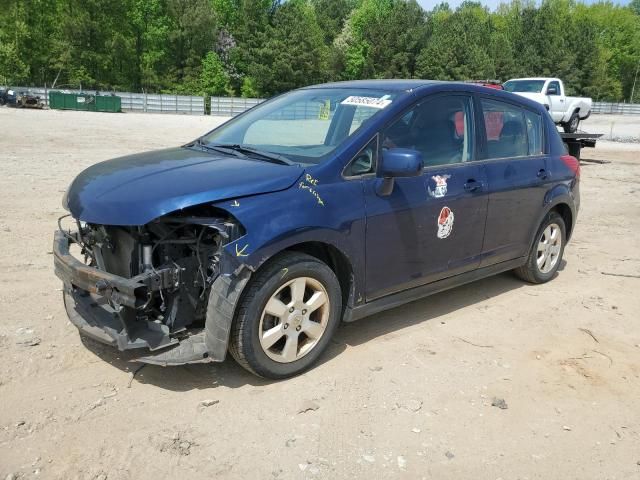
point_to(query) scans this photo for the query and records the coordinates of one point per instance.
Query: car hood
(136, 189)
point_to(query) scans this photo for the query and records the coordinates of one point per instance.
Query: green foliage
(459, 45)
(292, 51)
(380, 39)
(213, 79)
(264, 47)
(331, 15)
(249, 89)
(13, 69)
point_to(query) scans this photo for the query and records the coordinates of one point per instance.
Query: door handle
(543, 174)
(472, 185)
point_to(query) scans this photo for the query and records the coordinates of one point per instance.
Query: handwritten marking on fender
(240, 253)
(309, 179)
(308, 186)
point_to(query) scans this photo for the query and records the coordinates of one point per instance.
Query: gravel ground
(496, 379)
(622, 128)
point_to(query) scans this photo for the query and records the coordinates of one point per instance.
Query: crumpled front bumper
(94, 300)
(130, 292)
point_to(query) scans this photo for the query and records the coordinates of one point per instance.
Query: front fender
(310, 211)
(330, 213)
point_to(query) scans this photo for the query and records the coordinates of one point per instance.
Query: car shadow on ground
(229, 374)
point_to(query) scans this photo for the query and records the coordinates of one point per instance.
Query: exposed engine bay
(143, 286)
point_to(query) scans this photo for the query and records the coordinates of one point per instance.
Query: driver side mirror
(552, 90)
(398, 162)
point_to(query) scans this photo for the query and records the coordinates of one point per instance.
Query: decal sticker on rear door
(445, 222)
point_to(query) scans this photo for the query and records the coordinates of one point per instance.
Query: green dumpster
(107, 103)
(84, 101)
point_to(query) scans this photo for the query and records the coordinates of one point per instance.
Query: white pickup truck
(565, 111)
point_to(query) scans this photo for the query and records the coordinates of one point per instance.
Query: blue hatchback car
(325, 204)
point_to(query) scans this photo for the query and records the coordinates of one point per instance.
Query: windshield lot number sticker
(445, 222)
(441, 186)
(366, 101)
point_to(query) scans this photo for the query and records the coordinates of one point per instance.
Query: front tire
(546, 253)
(286, 317)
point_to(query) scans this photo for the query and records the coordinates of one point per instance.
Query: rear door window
(505, 129)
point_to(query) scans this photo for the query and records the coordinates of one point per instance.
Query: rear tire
(546, 252)
(572, 125)
(286, 317)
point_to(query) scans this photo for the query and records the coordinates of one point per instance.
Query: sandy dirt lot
(404, 394)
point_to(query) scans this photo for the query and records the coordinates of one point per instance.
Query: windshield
(304, 126)
(531, 86)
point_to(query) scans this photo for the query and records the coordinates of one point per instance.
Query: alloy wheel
(294, 319)
(549, 246)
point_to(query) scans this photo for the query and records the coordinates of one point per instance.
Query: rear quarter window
(535, 133)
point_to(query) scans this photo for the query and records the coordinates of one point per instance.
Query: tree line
(259, 48)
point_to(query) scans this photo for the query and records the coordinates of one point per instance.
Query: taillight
(573, 163)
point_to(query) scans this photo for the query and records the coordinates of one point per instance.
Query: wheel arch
(564, 210)
(557, 199)
(335, 259)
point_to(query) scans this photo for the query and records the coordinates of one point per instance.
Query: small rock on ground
(411, 405)
(500, 403)
(30, 342)
(308, 406)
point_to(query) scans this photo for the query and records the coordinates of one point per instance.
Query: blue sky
(492, 4)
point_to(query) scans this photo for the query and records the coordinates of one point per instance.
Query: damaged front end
(149, 287)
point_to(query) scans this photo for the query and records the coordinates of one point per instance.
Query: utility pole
(633, 88)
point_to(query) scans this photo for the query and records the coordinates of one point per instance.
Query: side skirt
(406, 296)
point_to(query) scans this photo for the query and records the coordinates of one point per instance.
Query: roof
(386, 84)
(432, 85)
(533, 78)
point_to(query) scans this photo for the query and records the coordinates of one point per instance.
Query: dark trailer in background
(575, 142)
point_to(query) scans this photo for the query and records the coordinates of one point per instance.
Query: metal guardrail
(616, 108)
(232, 106)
